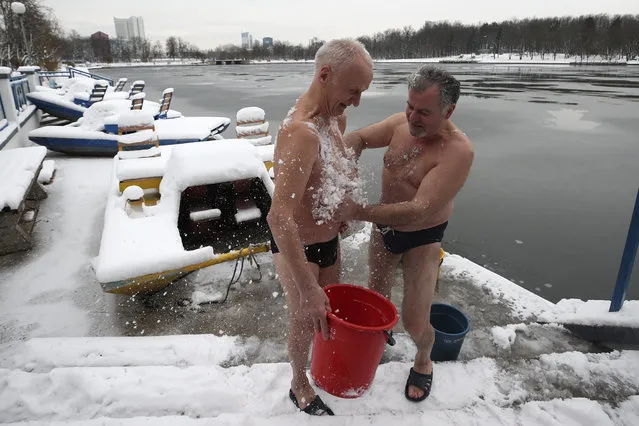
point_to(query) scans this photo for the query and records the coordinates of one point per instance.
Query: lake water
(556, 169)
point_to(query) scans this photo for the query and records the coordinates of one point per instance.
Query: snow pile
(193, 128)
(108, 111)
(236, 160)
(250, 115)
(592, 312)
(43, 354)
(76, 85)
(479, 391)
(504, 337)
(46, 174)
(525, 304)
(17, 168)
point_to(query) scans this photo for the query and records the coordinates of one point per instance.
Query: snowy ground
(65, 357)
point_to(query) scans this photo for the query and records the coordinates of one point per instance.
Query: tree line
(44, 43)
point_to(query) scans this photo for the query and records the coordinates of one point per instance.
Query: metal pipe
(627, 261)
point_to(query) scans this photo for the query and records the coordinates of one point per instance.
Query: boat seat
(165, 104)
(146, 173)
(246, 211)
(137, 101)
(120, 85)
(96, 95)
(136, 87)
(251, 125)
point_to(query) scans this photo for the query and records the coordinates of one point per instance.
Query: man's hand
(315, 304)
(347, 210)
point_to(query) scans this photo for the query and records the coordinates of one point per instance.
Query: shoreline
(466, 59)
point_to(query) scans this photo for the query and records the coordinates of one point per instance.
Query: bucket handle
(389, 337)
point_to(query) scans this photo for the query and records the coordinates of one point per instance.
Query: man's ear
(449, 111)
(324, 73)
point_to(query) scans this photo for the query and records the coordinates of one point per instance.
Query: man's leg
(382, 264)
(300, 333)
(420, 275)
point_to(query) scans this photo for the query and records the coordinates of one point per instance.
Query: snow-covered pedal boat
(175, 209)
(77, 94)
(97, 132)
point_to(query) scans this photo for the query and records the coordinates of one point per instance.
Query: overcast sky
(209, 23)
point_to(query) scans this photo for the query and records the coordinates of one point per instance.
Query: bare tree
(171, 47)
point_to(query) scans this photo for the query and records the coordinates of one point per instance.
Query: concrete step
(260, 391)
(551, 413)
(513, 341)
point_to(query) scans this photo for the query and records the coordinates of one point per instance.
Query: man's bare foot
(312, 405)
(304, 393)
(423, 365)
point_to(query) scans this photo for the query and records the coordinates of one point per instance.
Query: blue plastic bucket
(451, 326)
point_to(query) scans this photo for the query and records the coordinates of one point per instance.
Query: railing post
(7, 95)
(32, 77)
(627, 260)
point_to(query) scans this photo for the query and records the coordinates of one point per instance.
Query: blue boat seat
(96, 95)
(120, 85)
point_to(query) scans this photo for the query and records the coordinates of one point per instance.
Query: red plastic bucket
(360, 323)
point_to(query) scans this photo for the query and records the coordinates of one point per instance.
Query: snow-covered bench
(20, 194)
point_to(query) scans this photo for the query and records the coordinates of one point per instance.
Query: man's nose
(356, 100)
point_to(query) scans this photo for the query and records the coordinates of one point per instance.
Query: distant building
(247, 41)
(101, 46)
(128, 28)
(267, 42)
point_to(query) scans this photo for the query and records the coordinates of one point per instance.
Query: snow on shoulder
(17, 169)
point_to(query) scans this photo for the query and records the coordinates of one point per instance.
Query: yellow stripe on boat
(144, 183)
(159, 280)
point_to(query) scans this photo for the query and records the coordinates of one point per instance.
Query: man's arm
(376, 135)
(438, 188)
(297, 151)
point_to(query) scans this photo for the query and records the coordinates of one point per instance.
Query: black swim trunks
(322, 254)
(398, 242)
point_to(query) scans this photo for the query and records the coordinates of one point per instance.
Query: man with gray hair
(314, 174)
(427, 161)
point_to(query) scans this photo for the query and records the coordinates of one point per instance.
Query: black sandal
(315, 408)
(421, 381)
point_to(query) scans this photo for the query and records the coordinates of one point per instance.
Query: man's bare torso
(407, 161)
(314, 223)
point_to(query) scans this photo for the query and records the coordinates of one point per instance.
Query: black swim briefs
(398, 242)
(322, 254)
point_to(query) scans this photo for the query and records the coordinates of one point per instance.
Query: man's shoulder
(399, 125)
(461, 146)
(297, 128)
(398, 120)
